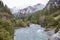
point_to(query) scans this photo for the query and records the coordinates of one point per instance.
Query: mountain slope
(53, 3)
(20, 13)
(29, 9)
(6, 23)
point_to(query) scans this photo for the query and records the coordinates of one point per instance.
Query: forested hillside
(6, 23)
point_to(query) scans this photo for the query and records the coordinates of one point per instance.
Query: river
(33, 32)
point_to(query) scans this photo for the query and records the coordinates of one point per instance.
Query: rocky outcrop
(55, 36)
(52, 3)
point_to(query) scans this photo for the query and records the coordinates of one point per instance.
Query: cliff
(52, 3)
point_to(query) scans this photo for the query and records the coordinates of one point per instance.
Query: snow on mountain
(29, 9)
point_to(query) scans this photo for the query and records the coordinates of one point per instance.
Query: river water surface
(34, 32)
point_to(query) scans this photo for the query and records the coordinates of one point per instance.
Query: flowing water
(34, 32)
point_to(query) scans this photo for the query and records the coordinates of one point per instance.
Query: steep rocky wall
(52, 3)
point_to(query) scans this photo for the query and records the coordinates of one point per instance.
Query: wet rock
(55, 36)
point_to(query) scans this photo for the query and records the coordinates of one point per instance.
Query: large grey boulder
(55, 36)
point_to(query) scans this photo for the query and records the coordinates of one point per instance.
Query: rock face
(55, 36)
(52, 3)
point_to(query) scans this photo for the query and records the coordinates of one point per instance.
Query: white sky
(23, 3)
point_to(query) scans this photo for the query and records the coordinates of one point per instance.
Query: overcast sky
(23, 3)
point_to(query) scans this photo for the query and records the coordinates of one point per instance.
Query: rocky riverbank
(55, 36)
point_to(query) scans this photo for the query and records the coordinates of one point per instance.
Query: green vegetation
(6, 23)
(21, 23)
(6, 30)
(51, 19)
